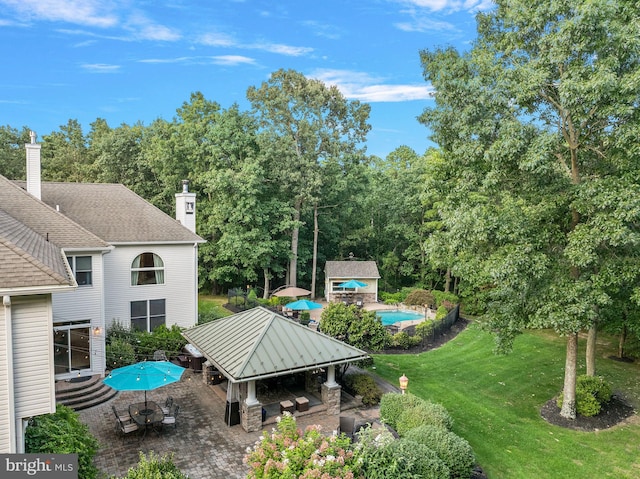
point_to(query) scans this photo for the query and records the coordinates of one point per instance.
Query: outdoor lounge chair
(170, 419)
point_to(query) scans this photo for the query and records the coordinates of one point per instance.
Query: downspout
(195, 278)
(15, 445)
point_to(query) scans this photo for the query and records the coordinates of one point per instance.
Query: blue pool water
(395, 316)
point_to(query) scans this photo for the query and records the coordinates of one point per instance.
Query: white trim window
(148, 314)
(147, 268)
(82, 269)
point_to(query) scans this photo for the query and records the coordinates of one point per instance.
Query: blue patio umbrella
(303, 304)
(352, 284)
(144, 376)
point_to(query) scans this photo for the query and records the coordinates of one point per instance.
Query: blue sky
(136, 60)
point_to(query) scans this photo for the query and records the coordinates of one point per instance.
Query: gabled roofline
(32, 290)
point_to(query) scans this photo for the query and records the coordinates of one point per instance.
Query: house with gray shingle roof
(32, 269)
(133, 264)
(339, 272)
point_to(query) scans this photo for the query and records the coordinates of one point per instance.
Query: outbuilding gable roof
(351, 269)
(259, 343)
(27, 260)
(44, 220)
(115, 213)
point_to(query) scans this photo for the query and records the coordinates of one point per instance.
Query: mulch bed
(614, 412)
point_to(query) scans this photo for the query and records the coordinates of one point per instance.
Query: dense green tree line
(281, 188)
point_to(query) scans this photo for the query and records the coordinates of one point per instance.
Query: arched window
(147, 268)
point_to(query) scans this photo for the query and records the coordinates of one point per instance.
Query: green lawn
(208, 303)
(495, 402)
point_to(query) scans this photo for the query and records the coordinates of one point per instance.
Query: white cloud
(202, 60)
(100, 68)
(425, 24)
(216, 40)
(95, 13)
(226, 41)
(146, 29)
(362, 86)
(281, 49)
(233, 60)
(450, 6)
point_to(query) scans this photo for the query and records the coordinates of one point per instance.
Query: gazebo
(260, 344)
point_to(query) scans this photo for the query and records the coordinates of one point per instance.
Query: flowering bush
(288, 453)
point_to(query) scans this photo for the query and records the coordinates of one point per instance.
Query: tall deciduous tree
(65, 154)
(305, 124)
(540, 119)
(12, 153)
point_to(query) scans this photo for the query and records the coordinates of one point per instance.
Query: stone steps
(83, 394)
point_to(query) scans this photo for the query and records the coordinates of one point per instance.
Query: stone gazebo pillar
(251, 416)
(331, 392)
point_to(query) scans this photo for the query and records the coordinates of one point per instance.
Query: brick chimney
(186, 207)
(33, 167)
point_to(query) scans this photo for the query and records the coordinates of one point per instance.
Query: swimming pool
(395, 316)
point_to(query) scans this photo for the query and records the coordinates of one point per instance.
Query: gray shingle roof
(44, 220)
(115, 213)
(259, 343)
(27, 260)
(351, 269)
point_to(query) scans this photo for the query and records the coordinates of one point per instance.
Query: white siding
(5, 416)
(86, 303)
(179, 289)
(33, 356)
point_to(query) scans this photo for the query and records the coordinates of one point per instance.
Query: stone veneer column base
(251, 417)
(331, 397)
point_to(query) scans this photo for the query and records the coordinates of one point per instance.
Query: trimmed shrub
(305, 317)
(209, 315)
(422, 414)
(365, 386)
(402, 459)
(441, 313)
(162, 338)
(425, 328)
(119, 352)
(453, 450)
(441, 296)
(393, 404)
(391, 298)
(155, 467)
(595, 385)
(592, 392)
(403, 341)
(63, 433)
(420, 297)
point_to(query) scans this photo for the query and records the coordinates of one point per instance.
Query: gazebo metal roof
(259, 343)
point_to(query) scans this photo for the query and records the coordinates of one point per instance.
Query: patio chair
(170, 419)
(159, 355)
(126, 429)
(166, 409)
(347, 426)
(121, 415)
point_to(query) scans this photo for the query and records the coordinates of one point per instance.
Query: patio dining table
(147, 415)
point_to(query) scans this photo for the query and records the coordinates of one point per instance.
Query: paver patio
(203, 446)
